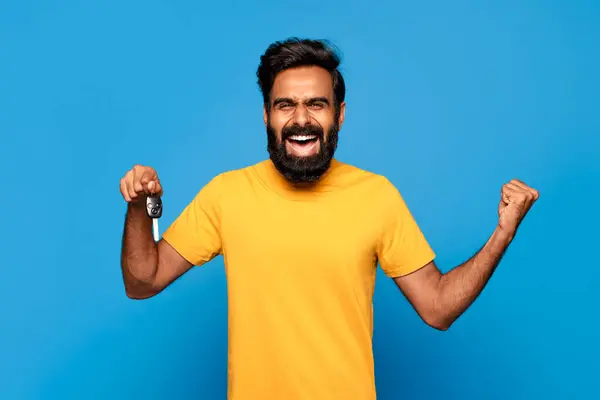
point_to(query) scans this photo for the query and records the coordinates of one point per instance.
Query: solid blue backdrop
(448, 99)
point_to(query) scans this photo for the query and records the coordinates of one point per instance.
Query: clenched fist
(515, 201)
(138, 183)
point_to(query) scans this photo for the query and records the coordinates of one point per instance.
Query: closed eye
(318, 105)
(283, 103)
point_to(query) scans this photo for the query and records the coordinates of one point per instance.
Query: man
(301, 234)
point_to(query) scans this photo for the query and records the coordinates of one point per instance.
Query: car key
(154, 211)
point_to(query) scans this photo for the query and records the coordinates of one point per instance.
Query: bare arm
(147, 267)
(441, 298)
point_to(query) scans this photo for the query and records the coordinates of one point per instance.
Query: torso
(301, 274)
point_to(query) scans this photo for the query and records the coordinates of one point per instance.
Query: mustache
(302, 130)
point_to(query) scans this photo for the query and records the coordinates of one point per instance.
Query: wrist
(137, 207)
(503, 235)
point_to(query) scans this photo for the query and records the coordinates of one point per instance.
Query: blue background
(448, 99)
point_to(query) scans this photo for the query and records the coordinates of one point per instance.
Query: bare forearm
(459, 287)
(139, 255)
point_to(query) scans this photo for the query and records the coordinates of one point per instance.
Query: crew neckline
(275, 181)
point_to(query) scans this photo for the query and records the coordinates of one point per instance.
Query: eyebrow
(311, 100)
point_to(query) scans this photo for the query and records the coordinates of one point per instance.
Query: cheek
(325, 119)
(273, 130)
(276, 124)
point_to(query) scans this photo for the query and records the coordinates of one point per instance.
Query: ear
(342, 114)
(265, 116)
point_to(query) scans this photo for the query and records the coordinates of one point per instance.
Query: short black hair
(295, 52)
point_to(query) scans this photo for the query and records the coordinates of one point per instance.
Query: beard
(302, 169)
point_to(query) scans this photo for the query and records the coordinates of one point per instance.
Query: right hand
(138, 183)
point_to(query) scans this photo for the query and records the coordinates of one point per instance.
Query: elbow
(140, 291)
(134, 295)
(440, 325)
(439, 321)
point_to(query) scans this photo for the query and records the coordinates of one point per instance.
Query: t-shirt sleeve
(196, 233)
(402, 247)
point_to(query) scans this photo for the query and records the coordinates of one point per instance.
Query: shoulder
(233, 179)
(377, 183)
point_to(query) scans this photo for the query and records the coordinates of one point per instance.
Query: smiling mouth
(302, 139)
(303, 145)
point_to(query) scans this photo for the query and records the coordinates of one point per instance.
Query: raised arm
(440, 299)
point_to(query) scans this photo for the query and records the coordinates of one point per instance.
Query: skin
(440, 299)
(302, 96)
(147, 267)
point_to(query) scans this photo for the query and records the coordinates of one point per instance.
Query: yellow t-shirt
(300, 268)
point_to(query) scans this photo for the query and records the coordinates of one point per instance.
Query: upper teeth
(302, 137)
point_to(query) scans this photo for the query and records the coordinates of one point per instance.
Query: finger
(513, 194)
(508, 190)
(534, 193)
(124, 192)
(504, 196)
(129, 180)
(524, 187)
(520, 195)
(144, 181)
(137, 179)
(519, 184)
(519, 187)
(157, 188)
(515, 187)
(147, 177)
(153, 187)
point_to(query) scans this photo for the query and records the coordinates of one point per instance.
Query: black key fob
(154, 206)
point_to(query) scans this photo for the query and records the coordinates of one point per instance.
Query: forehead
(303, 82)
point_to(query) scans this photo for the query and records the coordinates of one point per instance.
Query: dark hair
(293, 53)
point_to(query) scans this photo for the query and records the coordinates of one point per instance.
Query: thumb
(146, 179)
(155, 188)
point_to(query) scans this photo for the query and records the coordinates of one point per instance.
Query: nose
(301, 115)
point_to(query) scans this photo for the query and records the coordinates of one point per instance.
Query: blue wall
(448, 99)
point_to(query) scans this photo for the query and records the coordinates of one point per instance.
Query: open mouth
(303, 139)
(303, 145)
